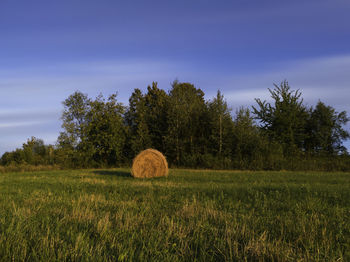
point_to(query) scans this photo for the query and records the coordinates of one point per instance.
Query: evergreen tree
(284, 121)
(248, 144)
(221, 126)
(325, 130)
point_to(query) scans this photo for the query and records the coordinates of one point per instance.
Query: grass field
(106, 215)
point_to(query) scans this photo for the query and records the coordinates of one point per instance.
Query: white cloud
(19, 124)
(326, 79)
(48, 85)
(30, 102)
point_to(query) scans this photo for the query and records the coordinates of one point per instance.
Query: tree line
(194, 132)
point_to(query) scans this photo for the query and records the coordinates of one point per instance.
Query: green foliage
(300, 130)
(221, 126)
(104, 134)
(94, 132)
(156, 102)
(248, 143)
(193, 132)
(76, 107)
(34, 152)
(135, 118)
(325, 130)
(186, 136)
(192, 215)
(284, 121)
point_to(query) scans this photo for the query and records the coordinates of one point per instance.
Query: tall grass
(105, 215)
(27, 168)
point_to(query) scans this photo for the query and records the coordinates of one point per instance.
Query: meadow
(191, 215)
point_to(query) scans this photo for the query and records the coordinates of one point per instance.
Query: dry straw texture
(149, 163)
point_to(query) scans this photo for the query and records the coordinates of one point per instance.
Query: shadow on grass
(112, 173)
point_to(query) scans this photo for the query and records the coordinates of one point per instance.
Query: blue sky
(49, 49)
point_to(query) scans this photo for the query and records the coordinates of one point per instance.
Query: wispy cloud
(31, 98)
(325, 79)
(54, 83)
(19, 124)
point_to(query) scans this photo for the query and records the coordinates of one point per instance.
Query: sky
(49, 49)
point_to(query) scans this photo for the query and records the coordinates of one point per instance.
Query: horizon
(50, 50)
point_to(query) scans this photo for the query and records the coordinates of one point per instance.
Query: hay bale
(149, 163)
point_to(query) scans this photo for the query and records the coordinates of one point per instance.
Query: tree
(325, 130)
(186, 136)
(156, 103)
(104, 134)
(135, 118)
(221, 126)
(76, 107)
(94, 132)
(284, 121)
(35, 151)
(248, 144)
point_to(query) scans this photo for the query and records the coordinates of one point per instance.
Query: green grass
(106, 215)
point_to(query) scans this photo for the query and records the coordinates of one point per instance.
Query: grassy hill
(106, 215)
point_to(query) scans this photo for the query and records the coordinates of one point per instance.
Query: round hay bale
(149, 163)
